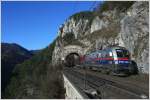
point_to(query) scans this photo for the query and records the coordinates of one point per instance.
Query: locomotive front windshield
(122, 53)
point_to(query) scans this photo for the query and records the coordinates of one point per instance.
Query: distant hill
(36, 78)
(35, 51)
(11, 54)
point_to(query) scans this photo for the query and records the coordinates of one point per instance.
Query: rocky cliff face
(135, 33)
(113, 27)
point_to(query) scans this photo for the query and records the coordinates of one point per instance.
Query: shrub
(37, 74)
(85, 15)
(111, 5)
(68, 38)
(82, 15)
(109, 32)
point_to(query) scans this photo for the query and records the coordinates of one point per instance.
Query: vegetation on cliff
(85, 15)
(82, 15)
(121, 6)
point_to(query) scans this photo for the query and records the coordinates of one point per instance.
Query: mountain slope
(35, 51)
(11, 54)
(36, 78)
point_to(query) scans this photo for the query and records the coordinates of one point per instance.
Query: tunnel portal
(72, 59)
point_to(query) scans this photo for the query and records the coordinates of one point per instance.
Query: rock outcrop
(135, 33)
(129, 28)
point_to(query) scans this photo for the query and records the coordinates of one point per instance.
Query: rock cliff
(128, 28)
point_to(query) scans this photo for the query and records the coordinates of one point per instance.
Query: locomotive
(111, 60)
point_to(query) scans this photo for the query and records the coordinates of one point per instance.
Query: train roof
(115, 47)
(108, 48)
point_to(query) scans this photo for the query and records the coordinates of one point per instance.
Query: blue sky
(33, 24)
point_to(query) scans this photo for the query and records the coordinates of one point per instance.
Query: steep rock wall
(135, 33)
(129, 29)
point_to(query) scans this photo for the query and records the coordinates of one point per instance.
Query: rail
(104, 88)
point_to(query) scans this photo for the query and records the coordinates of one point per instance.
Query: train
(115, 60)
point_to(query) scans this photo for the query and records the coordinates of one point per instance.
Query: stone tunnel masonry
(72, 49)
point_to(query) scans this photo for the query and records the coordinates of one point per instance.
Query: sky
(34, 24)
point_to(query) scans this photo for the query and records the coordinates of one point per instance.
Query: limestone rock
(129, 29)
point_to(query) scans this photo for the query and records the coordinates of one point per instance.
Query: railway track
(104, 88)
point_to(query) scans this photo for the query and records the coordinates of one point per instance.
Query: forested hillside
(37, 78)
(11, 55)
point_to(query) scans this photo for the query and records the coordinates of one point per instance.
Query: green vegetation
(37, 78)
(120, 6)
(11, 55)
(107, 5)
(111, 5)
(83, 15)
(68, 38)
(87, 15)
(110, 32)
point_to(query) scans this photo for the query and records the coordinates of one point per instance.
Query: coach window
(110, 54)
(104, 54)
(119, 53)
(107, 54)
(126, 53)
(99, 55)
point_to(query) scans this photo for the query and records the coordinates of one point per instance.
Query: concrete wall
(71, 90)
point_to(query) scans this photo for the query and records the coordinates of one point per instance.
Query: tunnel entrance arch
(73, 52)
(72, 59)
